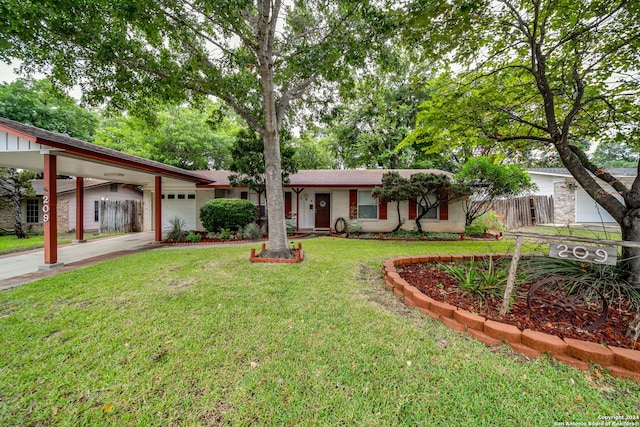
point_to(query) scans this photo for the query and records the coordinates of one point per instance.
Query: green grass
(203, 337)
(575, 232)
(11, 244)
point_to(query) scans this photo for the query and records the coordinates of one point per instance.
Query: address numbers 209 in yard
(581, 253)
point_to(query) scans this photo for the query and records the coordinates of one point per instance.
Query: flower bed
(623, 362)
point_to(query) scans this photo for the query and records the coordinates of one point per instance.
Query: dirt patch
(441, 286)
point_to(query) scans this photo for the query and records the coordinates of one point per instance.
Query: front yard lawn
(203, 337)
(11, 244)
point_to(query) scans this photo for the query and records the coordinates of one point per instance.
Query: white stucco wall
(339, 200)
(91, 195)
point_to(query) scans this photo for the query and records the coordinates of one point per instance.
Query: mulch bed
(441, 286)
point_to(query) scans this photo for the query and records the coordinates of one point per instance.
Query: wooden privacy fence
(525, 211)
(120, 216)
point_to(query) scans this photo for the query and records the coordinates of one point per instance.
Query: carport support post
(80, 209)
(50, 212)
(158, 209)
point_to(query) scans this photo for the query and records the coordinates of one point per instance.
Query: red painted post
(80, 209)
(158, 209)
(49, 210)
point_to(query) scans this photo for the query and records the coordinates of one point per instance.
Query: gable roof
(324, 178)
(78, 149)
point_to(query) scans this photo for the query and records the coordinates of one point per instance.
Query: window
(191, 196)
(181, 196)
(171, 196)
(96, 211)
(33, 211)
(367, 206)
(433, 212)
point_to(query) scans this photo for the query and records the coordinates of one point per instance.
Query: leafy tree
(15, 185)
(435, 190)
(38, 103)
(490, 181)
(558, 72)
(258, 56)
(249, 165)
(615, 154)
(376, 113)
(395, 188)
(190, 137)
(311, 153)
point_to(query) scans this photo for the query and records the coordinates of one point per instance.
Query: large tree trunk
(278, 246)
(17, 216)
(630, 227)
(265, 32)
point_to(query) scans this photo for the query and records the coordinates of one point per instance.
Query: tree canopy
(376, 112)
(489, 181)
(39, 103)
(550, 75)
(258, 56)
(395, 188)
(190, 137)
(248, 162)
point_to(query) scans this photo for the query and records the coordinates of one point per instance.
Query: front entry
(323, 210)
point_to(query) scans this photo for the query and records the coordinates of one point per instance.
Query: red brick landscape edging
(620, 362)
(299, 256)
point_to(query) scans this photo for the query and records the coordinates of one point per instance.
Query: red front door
(323, 210)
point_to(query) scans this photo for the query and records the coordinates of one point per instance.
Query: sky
(8, 75)
(6, 72)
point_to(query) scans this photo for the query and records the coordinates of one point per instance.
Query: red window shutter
(353, 204)
(413, 209)
(287, 203)
(244, 195)
(382, 210)
(444, 207)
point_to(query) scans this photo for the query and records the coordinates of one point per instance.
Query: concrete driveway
(23, 267)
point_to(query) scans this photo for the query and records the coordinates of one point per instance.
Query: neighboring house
(95, 190)
(571, 203)
(315, 200)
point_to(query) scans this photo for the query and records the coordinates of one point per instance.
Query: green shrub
(230, 214)
(193, 237)
(610, 280)
(176, 231)
(252, 231)
(478, 278)
(224, 234)
(488, 221)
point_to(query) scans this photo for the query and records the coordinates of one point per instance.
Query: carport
(27, 147)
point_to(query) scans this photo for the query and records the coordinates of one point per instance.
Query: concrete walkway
(24, 267)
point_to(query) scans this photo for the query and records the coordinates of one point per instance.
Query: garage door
(179, 204)
(587, 210)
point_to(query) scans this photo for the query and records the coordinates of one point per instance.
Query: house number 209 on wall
(581, 253)
(45, 208)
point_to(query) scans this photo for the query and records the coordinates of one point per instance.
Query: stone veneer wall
(620, 362)
(564, 206)
(6, 217)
